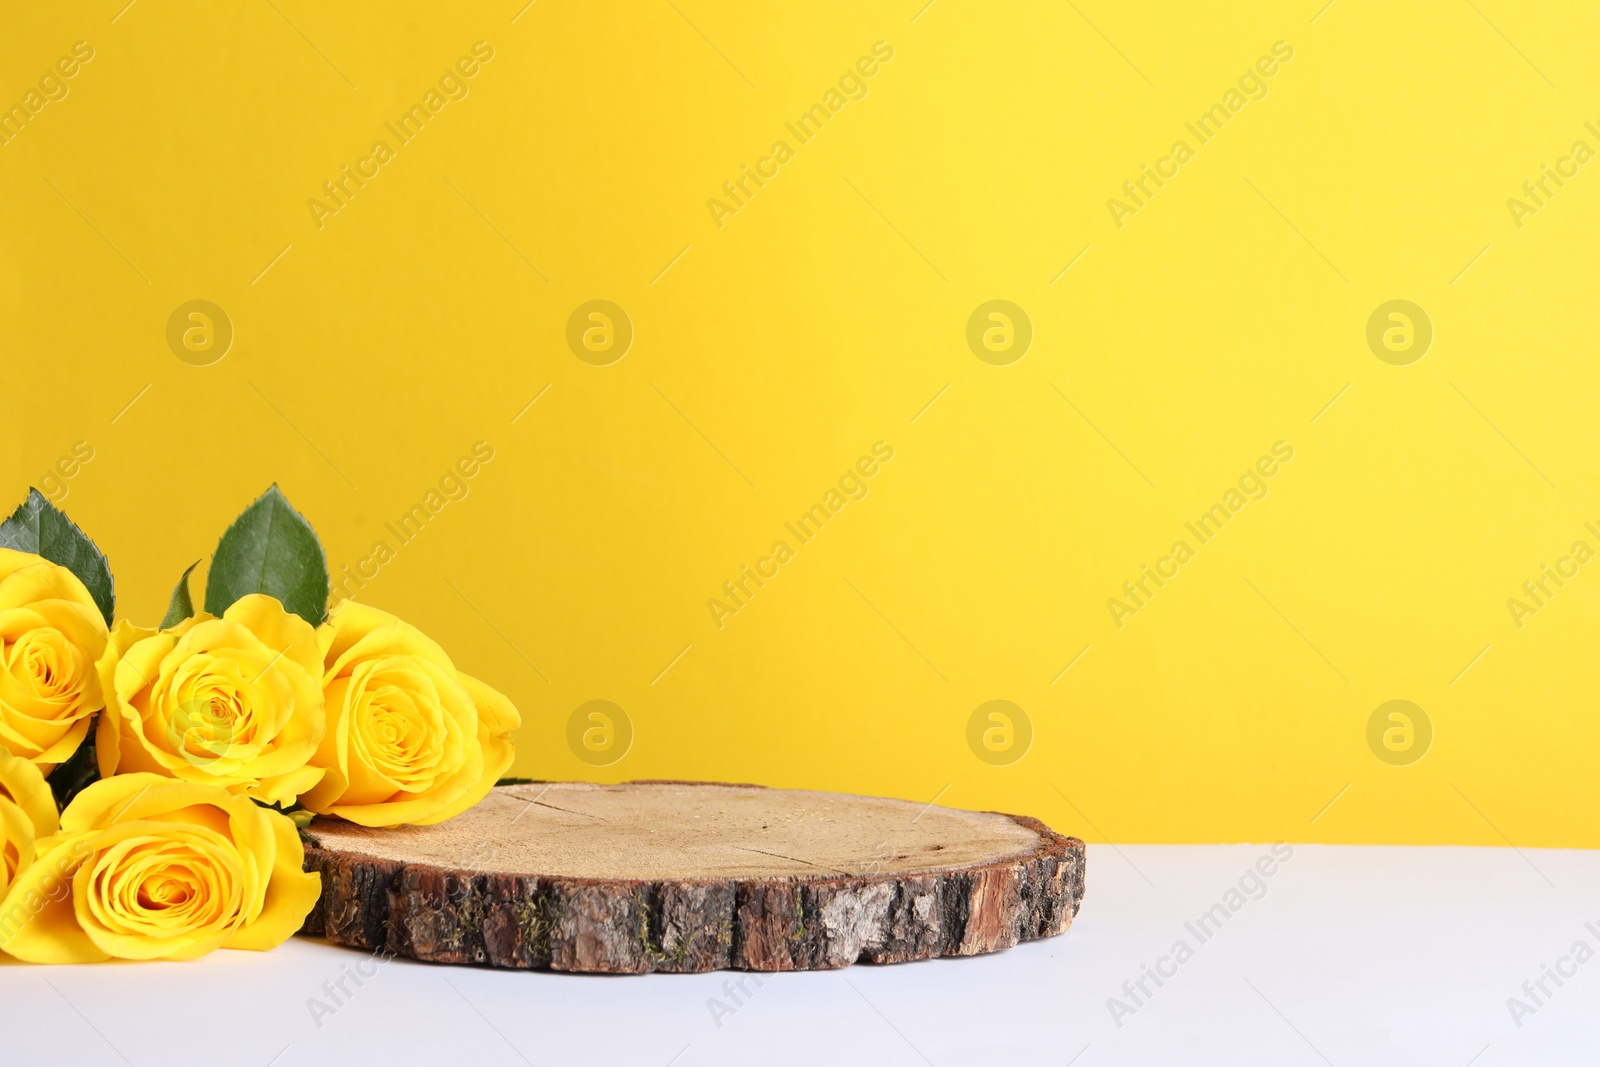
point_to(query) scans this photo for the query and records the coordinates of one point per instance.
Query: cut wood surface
(693, 876)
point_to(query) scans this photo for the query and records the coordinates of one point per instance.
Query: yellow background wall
(769, 353)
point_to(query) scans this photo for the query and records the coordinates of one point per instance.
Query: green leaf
(79, 772)
(296, 812)
(517, 781)
(182, 604)
(41, 528)
(271, 549)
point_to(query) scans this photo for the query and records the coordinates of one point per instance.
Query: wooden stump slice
(691, 876)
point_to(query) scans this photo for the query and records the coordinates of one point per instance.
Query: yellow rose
(235, 701)
(410, 739)
(51, 634)
(27, 812)
(16, 843)
(23, 785)
(146, 867)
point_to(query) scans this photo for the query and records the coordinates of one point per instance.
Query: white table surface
(1352, 955)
